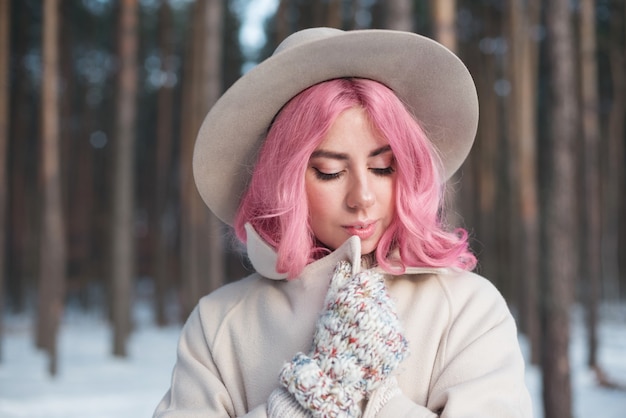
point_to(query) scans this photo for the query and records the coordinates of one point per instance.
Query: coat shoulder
(466, 289)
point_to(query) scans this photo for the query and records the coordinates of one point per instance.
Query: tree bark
(613, 172)
(78, 175)
(444, 17)
(52, 252)
(590, 262)
(5, 22)
(524, 16)
(188, 291)
(485, 154)
(443, 14)
(560, 218)
(201, 231)
(24, 201)
(212, 89)
(165, 132)
(123, 249)
(399, 15)
(283, 27)
(334, 15)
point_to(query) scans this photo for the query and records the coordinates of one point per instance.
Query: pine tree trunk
(485, 156)
(24, 201)
(211, 82)
(78, 176)
(187, 134)
(201, 231)
(123, 250)
(399, 15)
(444, 18)
(190, 226)
(443, 14)
(283, 28)
(165, 110)
(620, 146)
(52, 265)
(560, 225)
(5, 23)
(590, 263)
(613, 171)
(523, 19)
(334, 16)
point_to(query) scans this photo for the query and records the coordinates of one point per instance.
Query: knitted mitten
(358, 342)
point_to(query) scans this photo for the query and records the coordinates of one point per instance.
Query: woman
(329, 160)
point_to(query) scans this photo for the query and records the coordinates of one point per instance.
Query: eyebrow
(341, 156)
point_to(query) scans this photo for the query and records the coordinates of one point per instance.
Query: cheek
(386, 195)
(321, 201)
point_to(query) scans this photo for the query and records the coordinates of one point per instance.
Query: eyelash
(387, 171)
(382, 172)
(326, 176)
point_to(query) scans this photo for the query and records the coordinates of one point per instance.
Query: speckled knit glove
(357, 344)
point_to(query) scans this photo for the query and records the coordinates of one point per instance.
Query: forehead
(352, 131)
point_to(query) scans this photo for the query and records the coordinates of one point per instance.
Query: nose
(360, 195)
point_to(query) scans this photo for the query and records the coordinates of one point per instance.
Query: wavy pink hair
(275, 202)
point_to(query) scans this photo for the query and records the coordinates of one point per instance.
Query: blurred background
(100, 101)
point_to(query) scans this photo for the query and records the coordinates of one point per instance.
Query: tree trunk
(165, 132)
(485, 154)
(443, 14)
(211, 87)
(283, 27)
(613, 172)
(52, 252)
(334, 16)
(123, 249)
(560, 218)
(188, 290)
(24, 201)
(78, 176)
(5, 22)
(591, 231)
(620, 148)
(524, 16)
(444, 18)
(200, 230)
(399, 15)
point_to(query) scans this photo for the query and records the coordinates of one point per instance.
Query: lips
(363, 230)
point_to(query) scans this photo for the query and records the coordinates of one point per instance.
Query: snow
(94, 384)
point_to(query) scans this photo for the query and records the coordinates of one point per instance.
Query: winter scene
(428, 196)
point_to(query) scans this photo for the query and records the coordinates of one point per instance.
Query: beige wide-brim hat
(432, 81)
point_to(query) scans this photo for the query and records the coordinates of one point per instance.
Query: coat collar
(263, 258)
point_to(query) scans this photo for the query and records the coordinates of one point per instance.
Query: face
(350, 183)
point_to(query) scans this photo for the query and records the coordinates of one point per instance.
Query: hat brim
(432, 81)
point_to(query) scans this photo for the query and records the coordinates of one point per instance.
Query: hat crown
(306, 35)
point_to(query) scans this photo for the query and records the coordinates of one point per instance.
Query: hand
(357, 344)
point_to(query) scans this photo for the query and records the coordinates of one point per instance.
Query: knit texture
(282, 404)
(358, 342)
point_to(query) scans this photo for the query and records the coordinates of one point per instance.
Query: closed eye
(320, 175)
(387, 171)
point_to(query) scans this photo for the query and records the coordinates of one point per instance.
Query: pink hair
(275, 202)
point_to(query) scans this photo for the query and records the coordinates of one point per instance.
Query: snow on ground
(591, 400)
(94, 384)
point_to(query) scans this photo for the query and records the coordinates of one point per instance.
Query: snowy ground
(94, 384)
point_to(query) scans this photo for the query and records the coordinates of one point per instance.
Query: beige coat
(464, 359)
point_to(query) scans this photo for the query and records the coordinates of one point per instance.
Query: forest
(100, 101)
